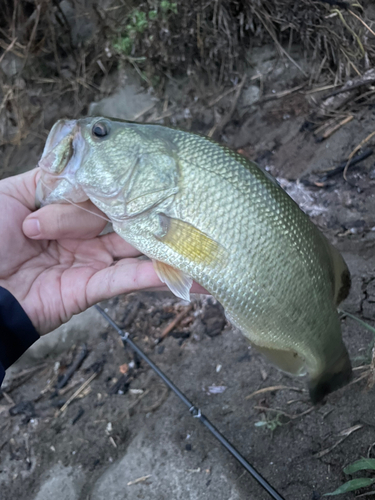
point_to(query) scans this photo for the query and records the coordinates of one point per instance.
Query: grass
(363, 464)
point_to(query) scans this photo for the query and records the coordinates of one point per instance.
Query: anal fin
(287, 361)
(178, 282)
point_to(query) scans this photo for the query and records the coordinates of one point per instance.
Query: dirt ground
(126, 425)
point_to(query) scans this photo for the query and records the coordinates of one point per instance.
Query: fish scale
(202, 211)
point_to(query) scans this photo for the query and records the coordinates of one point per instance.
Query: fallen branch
(174, 323)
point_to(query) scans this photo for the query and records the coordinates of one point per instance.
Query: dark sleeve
(17, 333)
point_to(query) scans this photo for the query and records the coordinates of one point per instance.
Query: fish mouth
(61, 158)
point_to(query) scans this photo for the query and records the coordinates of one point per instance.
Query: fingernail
(31, 228)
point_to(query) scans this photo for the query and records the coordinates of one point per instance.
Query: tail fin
(336, 376)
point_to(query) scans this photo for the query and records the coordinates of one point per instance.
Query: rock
(249, 96)
(213, 317)
(169, 468)
(81, 26)
(126, 103)
(11, 65)
(64, 483)
(130, 312)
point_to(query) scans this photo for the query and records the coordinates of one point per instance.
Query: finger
(196, 288)
(64, 221)
(22, 187)
(128, 275)
(117, 247)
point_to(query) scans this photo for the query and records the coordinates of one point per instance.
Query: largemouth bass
(202, 212)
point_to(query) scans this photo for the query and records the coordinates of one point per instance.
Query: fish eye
(100, 129)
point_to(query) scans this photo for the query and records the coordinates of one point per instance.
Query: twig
(72, 369)
(143, 112)
(288, 415)
(33, 33)
(221, 96)
(361, 377)
(368, 494)
(352, 162)
(345, 433)
(280, 48)
(331, 130)
(274, 388)
(319, 89)
(21, 377)
(282, 93)
(78, 392)
(8, 398)
(174, 323)
(68, 388)
(160, 117)
(139, 480)
(326, 124)
(159, 402)
(8, 49)
(5, 99)
(362, 21)
(371, 378)
(351, 87)
(138, 399)
(354, 34)
(357, 148)
(219, 127)
(112, 441)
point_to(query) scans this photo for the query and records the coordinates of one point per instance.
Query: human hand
(54, 262)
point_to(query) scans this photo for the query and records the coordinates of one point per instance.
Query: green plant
(167, 7)
(358, 483)
(138, 21)
(270, 424)
(368, 355)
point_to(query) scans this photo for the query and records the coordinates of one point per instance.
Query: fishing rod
(194, 411)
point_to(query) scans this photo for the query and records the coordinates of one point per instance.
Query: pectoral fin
(190, 242)
(177, 281)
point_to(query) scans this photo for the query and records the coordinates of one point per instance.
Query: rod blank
(195, 412)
